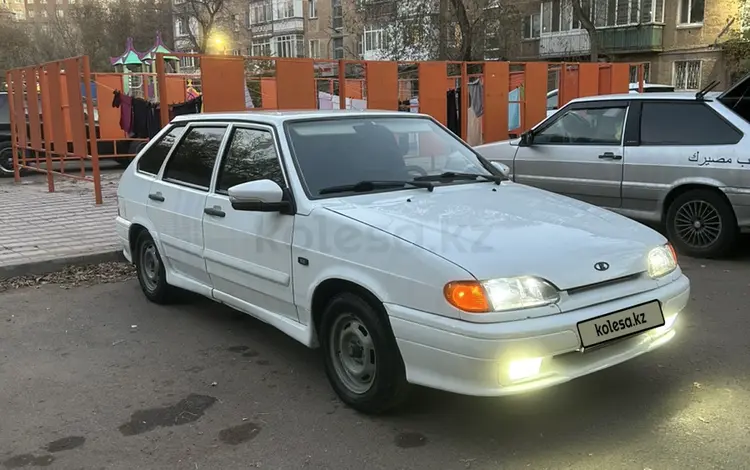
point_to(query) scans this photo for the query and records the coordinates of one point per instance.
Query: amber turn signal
(468, 296)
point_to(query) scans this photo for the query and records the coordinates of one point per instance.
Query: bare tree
(17, 47)
(436, 29)
(203, 20)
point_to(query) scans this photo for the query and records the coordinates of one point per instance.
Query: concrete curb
(52, 265)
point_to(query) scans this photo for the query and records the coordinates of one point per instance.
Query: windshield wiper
(453, 175)
(365, 186)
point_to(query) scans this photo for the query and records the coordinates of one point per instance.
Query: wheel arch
(691, 185)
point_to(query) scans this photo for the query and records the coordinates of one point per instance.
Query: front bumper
(476, 359)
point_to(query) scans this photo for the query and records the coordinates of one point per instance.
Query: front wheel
(701, 224)
(151, 273)
(362, 359)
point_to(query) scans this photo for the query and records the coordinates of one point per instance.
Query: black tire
(388, 388)
(6, 160)
(155, 288)
(718, 224)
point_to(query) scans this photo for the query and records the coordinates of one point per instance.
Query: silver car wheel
(698, 224)
(353, 354)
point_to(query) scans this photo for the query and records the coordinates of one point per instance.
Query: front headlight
(498, 295)
(662, 260)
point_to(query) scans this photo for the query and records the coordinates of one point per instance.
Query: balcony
(628, 39)
(612, 40)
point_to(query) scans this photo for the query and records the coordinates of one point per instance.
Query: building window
(691, 11)
(290, 45)
(338, 48)
(60, 13)
(314, 48)
(284, 9)
(646, 73)
(189, 61)
(337, 17)
(180, 27)
(261, 12)
(261, 49)
(531, 26)
(375, 40)
(686, 75)
(312, 6)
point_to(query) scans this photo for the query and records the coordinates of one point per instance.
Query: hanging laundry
(189, 107)
(141, 111)
(124, 102)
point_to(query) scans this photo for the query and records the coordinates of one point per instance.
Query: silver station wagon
(679, 160)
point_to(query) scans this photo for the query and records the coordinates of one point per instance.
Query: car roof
(674, 96)
(279, 117)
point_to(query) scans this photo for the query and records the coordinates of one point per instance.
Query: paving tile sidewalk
(40, 230)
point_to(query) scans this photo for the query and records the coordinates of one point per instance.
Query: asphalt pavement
(97, 378)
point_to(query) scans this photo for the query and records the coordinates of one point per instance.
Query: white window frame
(690, 22)
(288, 44)
(313, 48)
(530, 19)
(566, 22)
(374, 39)
(261, 48)
(261, 12)
(312, 9)
(283, 9)
(180, 27)
(683, 86)
(646, 72)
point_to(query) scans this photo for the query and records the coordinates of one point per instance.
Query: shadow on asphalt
(607, 408)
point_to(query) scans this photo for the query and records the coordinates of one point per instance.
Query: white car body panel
(398, 246)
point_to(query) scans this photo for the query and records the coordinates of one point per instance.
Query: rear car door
(676, 140)
(177, 200)
(577, 153)
(249, 254)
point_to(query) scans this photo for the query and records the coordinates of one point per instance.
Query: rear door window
(685, 123)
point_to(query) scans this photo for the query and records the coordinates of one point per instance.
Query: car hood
(509, 230)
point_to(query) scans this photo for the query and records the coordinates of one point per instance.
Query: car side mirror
(502, 168)
(527, 139)
(259, 196)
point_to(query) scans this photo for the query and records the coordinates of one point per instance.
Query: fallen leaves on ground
(74, 276)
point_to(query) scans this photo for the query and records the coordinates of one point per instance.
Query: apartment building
(12, 10)
(679, 41)
(277, 28)
(229, 32)
(38, 10)
(327, 34)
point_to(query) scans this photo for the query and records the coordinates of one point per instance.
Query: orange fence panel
(295, 84)
(176, 90)
(33, 99)
(620, 78)
(382, 85)
(268, 93)
(605, 80)
(432, 90)
(496, 81)
(354, 89)
(56, 140)
(109, 116)
(535, 93)
(75, 107)
(588, 79)
(223, 83)
(19, 106)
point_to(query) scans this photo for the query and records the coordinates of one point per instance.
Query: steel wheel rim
(698, 224)
(353, 354)
(6, 160)
(150, 265)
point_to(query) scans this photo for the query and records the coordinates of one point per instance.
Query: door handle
(156, 197)
(610, 156)
(214, 211)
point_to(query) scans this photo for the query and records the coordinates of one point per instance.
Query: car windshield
(341, 152)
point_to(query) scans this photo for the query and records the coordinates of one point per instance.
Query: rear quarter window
(685, 123)
(151, 161)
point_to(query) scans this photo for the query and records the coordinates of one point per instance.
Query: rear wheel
(6, 159)
(362, 359)
(700, 223)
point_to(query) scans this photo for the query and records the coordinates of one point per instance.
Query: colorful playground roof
(133, 57)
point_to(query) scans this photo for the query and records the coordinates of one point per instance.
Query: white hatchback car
(402, 253)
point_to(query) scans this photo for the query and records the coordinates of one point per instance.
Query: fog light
(524, 368)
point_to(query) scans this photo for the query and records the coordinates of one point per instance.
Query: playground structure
(513, 94)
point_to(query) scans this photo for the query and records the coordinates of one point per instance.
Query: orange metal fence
(60, 126)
